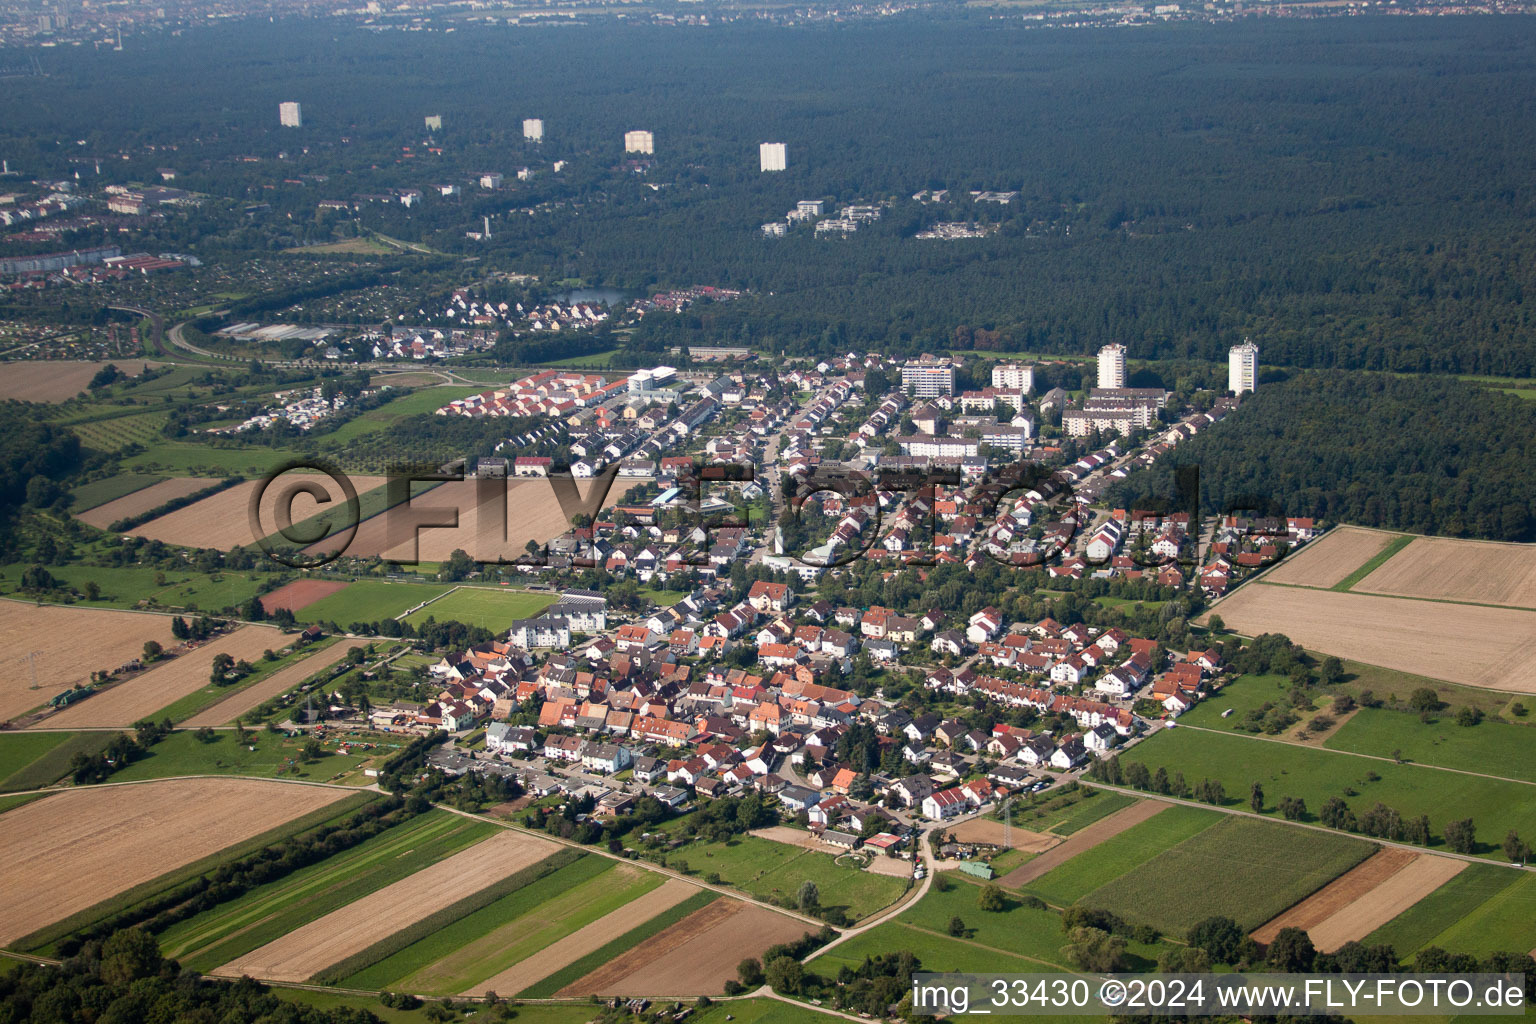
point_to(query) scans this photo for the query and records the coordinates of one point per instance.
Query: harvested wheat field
(300, 594)
(1083, 839)
(986, 830)
(56, 636)
(588, 939)
(141, 501)
(360, 924)
(532, 512)
(695, 956)
(55, 380)
(1483, 572)
(1364, 898)
(1329, 559)
(237, 704)
(1487, 647)
(164, 683)
(81, 846)
(223, 520)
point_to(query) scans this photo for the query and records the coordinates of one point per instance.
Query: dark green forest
(1426, 455)
(1351, 193)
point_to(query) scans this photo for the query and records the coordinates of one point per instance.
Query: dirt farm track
(1460, 643)
(77, 847)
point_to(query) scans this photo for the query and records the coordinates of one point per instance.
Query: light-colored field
(532, 513)
(1385, 902)
(79, 847)
(1488, 647)
(695, 956)
(358, 925)
(1083, 839)
(1483, 572)
(586, 940)
(300, 594)
(1326, 561)
(239, 703)
(891, 867)
(64, 646)
(54, 380)
(791, 837)
(164, 684)
(139, 502)
(223, 520)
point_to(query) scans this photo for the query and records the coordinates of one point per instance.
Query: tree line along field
(1314, 775)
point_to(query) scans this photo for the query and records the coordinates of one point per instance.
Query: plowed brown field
(300, 594)
(78, 847)
(64, 646)
(54, 380)
(695, 956)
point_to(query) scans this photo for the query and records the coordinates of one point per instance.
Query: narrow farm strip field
(164, 684)
(1339, 893)
(1389, 899)
(1081, 841)
(222, 520)
(62, 855)
(300, 953)
(1423, 923)
(252, 697)
(1115, 855)
(551, 958)
(1265, 867)
(270, 911)
(1506, 922)
(139, 502)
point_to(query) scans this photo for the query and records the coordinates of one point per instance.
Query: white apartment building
(772, 156)
(639, 142)
(290, 115)
(1243, 367)
(533, 129)
(433, 122)
(928, 379)
(1014, 377)
(1112, 366)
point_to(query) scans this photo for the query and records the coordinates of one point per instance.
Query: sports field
(493, 609)
(370, 601)
(1243, 868)
(1315, 774)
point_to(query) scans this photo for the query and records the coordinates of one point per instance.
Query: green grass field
(1070, 882)
(111, 435)
(493, 609)
(1506, 922)
(42, 941)
(192, 458)
(49, 753)
(936, 952)
(1314, 774)
(1442, 910)
(1498, 748)
(546, 1013)
(267, 912)
(99, 492)
(772, 871)
(1019, 930)
(594, 360)
(370, 601)
(126, 586)
(182, 753)
(1247, 869)
(9, 802)
(1242, 695)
